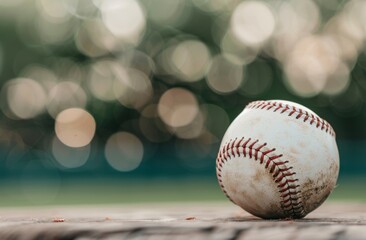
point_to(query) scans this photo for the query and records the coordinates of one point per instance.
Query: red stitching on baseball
(320, 123)
(282, 174)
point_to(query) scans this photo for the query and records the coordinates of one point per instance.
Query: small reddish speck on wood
(58, 220)
(190, 218)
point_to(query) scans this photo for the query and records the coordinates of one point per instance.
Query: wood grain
(178, 221)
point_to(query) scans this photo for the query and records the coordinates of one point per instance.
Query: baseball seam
(294, 111)
(282, 174)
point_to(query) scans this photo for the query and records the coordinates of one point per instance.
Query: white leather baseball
(278, 159)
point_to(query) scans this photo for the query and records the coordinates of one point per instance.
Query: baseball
(278, 159)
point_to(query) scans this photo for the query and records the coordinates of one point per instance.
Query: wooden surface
(178, 221)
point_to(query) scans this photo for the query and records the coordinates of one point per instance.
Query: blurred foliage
(99, 86)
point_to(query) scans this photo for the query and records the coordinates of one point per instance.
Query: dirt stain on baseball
(258, 175)
(314, 193)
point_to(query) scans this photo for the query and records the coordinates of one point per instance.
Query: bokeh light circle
(124, 151)
(103, 75)
(177, 107)
(125, 19)
(338, 81)
(45, 76)
(75, 127)
(133, 89)
(70, 157)
(83, 9)
(65, 95)
(252, 22)
(236, 52)
(312, 61)
(190, 59)
(193, 130)
(26, 98)
(224, 76)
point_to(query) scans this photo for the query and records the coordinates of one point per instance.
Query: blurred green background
(109, 101)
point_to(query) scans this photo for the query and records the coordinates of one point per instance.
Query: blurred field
(132, 191)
